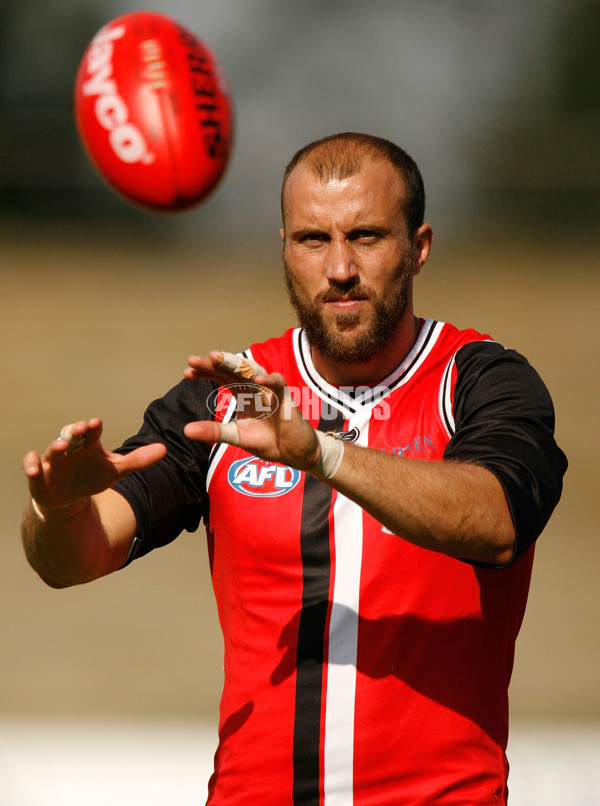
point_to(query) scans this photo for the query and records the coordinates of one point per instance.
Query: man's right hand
(60, 477)
(76, 528)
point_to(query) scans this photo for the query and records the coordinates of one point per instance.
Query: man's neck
(376, 369)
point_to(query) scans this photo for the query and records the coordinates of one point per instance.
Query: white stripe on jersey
(327, 392)
(342, 644)
(219, 450)
(445, 403)
(445, 399)
(350, 404)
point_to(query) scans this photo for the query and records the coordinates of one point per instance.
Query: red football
(154, 111)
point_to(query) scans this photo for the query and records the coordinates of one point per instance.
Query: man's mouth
(345, 299)
(346, 303)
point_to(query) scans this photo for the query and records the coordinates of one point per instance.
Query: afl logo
(262, 479)
(253, 402)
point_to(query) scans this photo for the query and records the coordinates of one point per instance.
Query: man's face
(348, 259)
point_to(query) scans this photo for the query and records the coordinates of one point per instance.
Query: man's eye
(313, 239)
(365, 236)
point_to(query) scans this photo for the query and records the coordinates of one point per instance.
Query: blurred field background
(101, 304)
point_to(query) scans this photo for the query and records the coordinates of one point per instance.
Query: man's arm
(84, 541)
(75, 528)
(455, 508)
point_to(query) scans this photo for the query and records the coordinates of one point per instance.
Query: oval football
(154, 111)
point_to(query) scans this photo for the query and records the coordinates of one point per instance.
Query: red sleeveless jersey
(358, 668)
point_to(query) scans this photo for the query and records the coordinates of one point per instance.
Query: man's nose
(340, 264)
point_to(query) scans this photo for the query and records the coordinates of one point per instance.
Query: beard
(343, 341)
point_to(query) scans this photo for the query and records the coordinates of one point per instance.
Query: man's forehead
(313, 168)
(374, 180)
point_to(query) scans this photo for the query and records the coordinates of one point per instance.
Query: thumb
(141, 458)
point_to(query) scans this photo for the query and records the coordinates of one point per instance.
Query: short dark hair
(340, 155)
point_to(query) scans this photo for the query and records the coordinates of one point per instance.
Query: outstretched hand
(268, 422)
(80, 466)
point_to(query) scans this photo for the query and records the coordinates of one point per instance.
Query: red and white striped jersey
(360, 668)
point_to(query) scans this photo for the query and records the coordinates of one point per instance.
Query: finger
(208, 431)
(203, 431)
(80, 433)
(200, 363)
(140, 458)
(229, 433)
(32, 464)
(272, 380)
(203, 367)
(239, 365)
(223, 365)
(74, 436)
(94, 428)
(276, 385)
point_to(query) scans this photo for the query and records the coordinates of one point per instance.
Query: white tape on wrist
(332, 453)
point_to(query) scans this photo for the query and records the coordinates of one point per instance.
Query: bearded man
(372, 485)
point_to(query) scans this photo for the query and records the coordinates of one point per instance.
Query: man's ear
(422, 240)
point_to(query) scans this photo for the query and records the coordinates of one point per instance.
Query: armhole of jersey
(446, 397)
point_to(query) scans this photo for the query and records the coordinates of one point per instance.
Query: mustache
(334, 294)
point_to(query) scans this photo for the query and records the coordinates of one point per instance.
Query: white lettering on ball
(128, 143)
(111, 111)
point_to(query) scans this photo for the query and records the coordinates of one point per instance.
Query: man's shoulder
(452, 335)
(474, 353)
(439, 343)
(275, 352)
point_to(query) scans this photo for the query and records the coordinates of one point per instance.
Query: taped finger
(229, 433)
(243, 367)
(75, 441)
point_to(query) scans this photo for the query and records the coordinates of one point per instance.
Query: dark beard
(380, 331)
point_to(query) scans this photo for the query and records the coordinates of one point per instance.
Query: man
(372, 486)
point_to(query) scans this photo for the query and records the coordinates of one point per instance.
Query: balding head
(340, 156)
